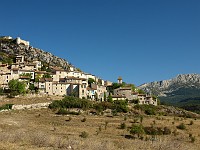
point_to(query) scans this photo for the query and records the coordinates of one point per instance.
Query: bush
(192, 139)
(84, 134)
(1, 91)
(167, 131)
(147, 109)
(191, 122)
(6, 106)
(83, 120)
(123, 126)
(102, 106)
(137, 130)
(181, 126)
(71, 102)
(120, 106)
(157, 131)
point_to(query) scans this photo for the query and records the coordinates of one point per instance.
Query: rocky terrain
(165, 87)
(183, 90)
(11, 48)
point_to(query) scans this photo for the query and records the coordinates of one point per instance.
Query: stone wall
(31, 106)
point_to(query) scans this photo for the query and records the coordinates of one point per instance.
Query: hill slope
(9, 48)
(182, 90)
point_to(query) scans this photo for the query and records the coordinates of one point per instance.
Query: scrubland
(42, 129)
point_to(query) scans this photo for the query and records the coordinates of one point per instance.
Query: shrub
(141, 119)
(181, 126)
(106, 124)
(120, 106)
(123, 126)
(191, 122)
(192, 138)
(167, 131)
(84, 134)
(147, 109)
(157, 130)
(71, 102)
(137, 130)
(83, 120)
(102, 106)
(6, 106)
(153, 130)
(125, 118)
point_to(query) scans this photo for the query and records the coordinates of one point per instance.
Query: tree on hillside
(16, 87)
(110, 98)
(47, 75)
(140, 91)
(90, 81)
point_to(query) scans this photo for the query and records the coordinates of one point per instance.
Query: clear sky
(140, 40)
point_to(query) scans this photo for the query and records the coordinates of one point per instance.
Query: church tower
(119, 80)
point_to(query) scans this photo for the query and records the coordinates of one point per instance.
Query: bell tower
(119, 80)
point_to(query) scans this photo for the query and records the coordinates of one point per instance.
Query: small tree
(137, 130)
(47, 75)
(16, 87)
(90, 81)
(104, 96)
(31, 87)
(181, 126)
(110, 98)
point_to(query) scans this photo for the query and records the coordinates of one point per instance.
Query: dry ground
(28, 99)
(43, 130)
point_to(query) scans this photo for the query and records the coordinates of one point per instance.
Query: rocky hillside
(9, 48)
(181, 90)
(166, 87)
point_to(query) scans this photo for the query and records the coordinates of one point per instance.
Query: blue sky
(140, 40)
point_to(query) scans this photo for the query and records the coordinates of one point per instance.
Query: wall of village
(20, 41)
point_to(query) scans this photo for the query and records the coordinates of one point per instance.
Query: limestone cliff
(161, 88)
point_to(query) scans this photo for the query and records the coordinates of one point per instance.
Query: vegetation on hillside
(16, 87)
(84, 104)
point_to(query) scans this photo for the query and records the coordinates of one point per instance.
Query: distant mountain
(10, 47)
(180, 91)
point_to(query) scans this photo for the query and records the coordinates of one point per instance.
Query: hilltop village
(69, 81)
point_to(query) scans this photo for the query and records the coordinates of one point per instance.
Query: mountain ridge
(163, 87)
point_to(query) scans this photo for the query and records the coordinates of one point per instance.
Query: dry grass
(28, 99)
(43, 130)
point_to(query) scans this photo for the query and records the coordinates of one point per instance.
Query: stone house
(118, 97)
(124, 91)
(127, 92)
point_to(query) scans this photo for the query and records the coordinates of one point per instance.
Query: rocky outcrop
(12, 48)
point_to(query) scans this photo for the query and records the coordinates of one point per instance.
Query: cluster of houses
(66, 82)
